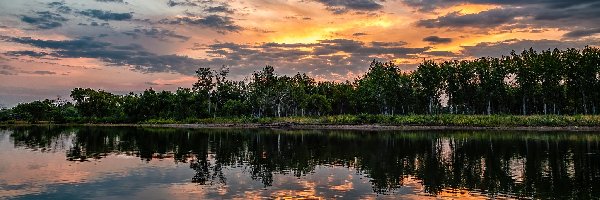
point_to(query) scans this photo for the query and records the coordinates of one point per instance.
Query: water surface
(159, 163)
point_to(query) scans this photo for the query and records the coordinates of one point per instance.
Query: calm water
(125, 163)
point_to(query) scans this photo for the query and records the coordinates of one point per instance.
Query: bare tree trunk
(489, 107)
(278, 109)
(430, 104)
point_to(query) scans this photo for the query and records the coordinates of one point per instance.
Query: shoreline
(356, 127)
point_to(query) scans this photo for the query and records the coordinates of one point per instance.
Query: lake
(58, 162)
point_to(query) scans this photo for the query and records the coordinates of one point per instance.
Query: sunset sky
(49, 47)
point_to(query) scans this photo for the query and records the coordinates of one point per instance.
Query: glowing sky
(48, 47)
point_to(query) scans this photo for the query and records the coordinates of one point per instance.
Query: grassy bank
(421, 120)
(398, 120)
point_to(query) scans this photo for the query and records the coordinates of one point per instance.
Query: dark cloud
(42, 72)
(429, 5)
(219, 9)
(441, 53)
(160, 34)
(111, 1)
(437, 40)
(496, 49)
(26, 53)
(258, 30)
(327, 57)
(94, 24)
(44, 20)
(485, 19)
(221, 24)
(106, 15)
(131, 55)
(343, 6)
(10, 70)
(513, 14)
(359, 34)
(173, 3)
(60, 7)
(83, 43)
(7, 70)
(151, 83)
(582, 33)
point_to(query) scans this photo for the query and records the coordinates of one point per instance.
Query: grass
(361, 119)
(415, 120)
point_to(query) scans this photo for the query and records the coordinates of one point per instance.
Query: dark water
(145, 163)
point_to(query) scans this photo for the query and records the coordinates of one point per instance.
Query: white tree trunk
(489, 107)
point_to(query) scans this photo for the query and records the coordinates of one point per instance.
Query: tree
(34, 111)
(523, 68)
(318, 104)
(92, 103)
(379, 87)
(429, 79)
(263, 92)
(491, 73)
(204, 86)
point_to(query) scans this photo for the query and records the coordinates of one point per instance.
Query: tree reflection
(520, 164)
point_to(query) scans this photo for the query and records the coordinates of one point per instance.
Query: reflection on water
(157, 163)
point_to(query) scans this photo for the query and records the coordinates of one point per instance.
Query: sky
(48, 47)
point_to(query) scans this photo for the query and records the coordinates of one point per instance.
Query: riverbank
(366, 127)
(371, 122)
(369, 127)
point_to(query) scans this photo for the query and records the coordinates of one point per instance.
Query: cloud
(359, 34)
(44, 20)
(10, 70)
(42, 72)
(497, 49)
(437, 40)
(7, 70)
(160, 34)
(34, 54)
(325, 58)
(111, 1)
(441, 53)
(430, 5)
(60, 7)
(219, 9)
(151, 83)
(130, 55)
(173, 3)
(513, 14)
(221, 24)
(343, 6)
(106, 15)
(582, 33)
(486, 19)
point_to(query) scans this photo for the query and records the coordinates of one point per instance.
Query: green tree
(92, 103)
(429, 79)
(35, 111)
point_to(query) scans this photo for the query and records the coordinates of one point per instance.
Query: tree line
(558, 82)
